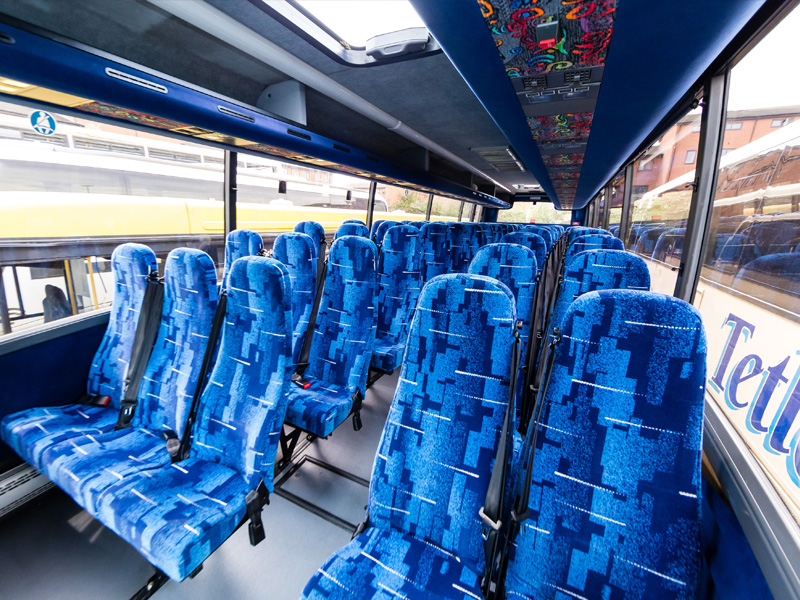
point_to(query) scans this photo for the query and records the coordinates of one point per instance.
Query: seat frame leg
(288, 442)
(155, 583)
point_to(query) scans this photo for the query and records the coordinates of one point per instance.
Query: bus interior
(466, 299)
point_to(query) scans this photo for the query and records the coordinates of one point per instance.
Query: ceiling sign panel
(554, 52)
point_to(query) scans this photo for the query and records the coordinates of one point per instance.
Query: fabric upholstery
(296, 252)
(545, 233)
(599, 270)
(320, 408)
(239, 243)
(435, 247)
(373, 231)
(575, 232)
(359, 221)
(314, 230)
(435, 456)
(593, 242)
(460, 247)
(530, 240)
(382, 229)
(30, 432)
(87, 464)
(615, 493)
(399, 281)
(352, 229)
(344, 332)
(178, 514)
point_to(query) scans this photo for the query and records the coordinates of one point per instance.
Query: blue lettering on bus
(738, 376)
(772, 377)
(738, 326)
(779, 430)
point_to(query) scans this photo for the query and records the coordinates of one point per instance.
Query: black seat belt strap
(208, 357)
(305, 352)
(492, 509)
(143, 340)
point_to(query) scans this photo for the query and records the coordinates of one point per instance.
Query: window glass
(528, 212)
(660, 201)
(750, 280)
(402, 204)
(445, 209)
(71, 190)
(615, 205)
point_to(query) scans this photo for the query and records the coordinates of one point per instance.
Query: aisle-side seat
(433, 464)
(399, 281)
(435, 248)
(86, 465)
(382, 229)
(578, 231)
(315, 231)
(343, 339)
(594, 270)
(615, 492)
(373, 231)
(356, 229)
(30, 432)
(239, 243)
(177, 515)
(593, 242)
(296, 252)
(530, 240)
(544, 232)
(460, 252)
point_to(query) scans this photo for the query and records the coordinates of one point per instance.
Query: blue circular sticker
(43, 122)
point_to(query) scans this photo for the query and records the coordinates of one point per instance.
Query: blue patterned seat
(315, 231)
(435, 247)
(434, 459)
(399, 281)
(382, 229)
(296, 252)
(373, 231)
(30, 432)
(177, 515)
(544, 232)
(575, 232)
(593, 241)
(359, 221)
(599, 270)
(344, 336)
(530, 240)
(239, 243)
(86, 465)
(460, 249)
(615, 493)
(514, 266)
(352, 229)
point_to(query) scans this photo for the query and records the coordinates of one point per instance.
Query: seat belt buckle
(489, 524)
(100, 401)
(298, 380)
(255, 501)
(127, 409)
(521, 517)
(172, 442)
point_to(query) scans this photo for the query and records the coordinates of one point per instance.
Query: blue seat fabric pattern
(399, 281)
(314, 230)
(373, 231)
(296, 252)
(543, 232)
(594, 270)
(352, 229)
(530, 240)
(178, 514)
(616, 483)
(30, 432)
(435, 247)
(594, 242)
(239, 243)
(434, 459)
(575, 232)
(382, 229)
(344, 337)
(86, 465)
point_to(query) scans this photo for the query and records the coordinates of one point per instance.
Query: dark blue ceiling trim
(461, 31)
(43, 62)
(658, 50)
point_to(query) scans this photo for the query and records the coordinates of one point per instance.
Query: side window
(445, 209)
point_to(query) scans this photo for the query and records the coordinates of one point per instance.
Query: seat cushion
(387, 565)
(85, 466)
(31, 432)
(319, 409)
(177, 515)
(387, 355)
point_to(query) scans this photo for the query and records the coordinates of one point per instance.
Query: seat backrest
(514, 266)
(460, 251)
(359, 221)
(190, 300)
(576, 232)
(130, 266)
(530, 240)
(545, 233)
(599, 270)
(382, 229)
(435, 247)
(373, 231)
(242, 408)
(352, 229)
(344, 333)
(593, 241)
(434, 459)
(615, 494)
(399, 282)
(314, 230)
(239, 243)
(296, 252)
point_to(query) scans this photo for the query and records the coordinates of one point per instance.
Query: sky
(768, 75)
(357, 20)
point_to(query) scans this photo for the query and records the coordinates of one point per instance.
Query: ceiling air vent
(128, 78)
(501, 158)
(578, 77)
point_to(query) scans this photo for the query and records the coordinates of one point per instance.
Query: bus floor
(54, 549)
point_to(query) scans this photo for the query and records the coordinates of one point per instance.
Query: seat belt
(302, 363)
(255, 501)
(143, 340)
(208, 357)
(492, 508)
